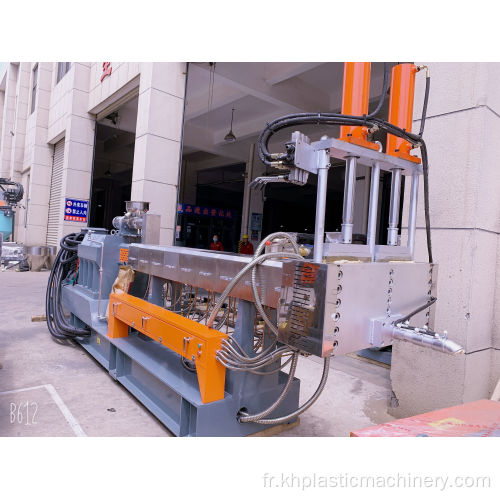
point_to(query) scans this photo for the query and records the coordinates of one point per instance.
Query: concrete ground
(48, 389)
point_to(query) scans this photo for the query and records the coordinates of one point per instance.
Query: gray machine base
(155, 376)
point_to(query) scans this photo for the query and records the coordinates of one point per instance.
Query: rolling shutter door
(55, 215)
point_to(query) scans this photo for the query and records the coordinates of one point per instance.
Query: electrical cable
(255, 372)
(385, 86)
(428, 304)
(301, 409)
(425, 170)
(253, 281)
(188, 365)
(228, 355)
(244, 417)
(424, 107)
(64, 269)
(240, 274)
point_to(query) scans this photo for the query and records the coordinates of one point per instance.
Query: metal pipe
(392, 231)
(306, 405)
(371, 235)
(255, 261)
(412, 220)
(433, 341)
(319, 224)
(247, 193)
(245, 417)
(99, 316)
(366, 199)
(349, 194)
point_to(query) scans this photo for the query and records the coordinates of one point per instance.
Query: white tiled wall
(460, 132)
(122, 72)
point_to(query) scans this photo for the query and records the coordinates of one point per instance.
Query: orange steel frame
(187, 338)
(401, 109)
(355, 98)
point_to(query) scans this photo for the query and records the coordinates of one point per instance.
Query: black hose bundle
(64, 269)
(363, 121)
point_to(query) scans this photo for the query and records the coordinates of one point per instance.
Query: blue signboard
(220, 213)
(76, 210)
(256, 222)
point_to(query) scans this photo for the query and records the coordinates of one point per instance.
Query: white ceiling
(259, 92)
(126, 118)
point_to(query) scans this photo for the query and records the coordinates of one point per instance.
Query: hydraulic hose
(63, 269)
(425, 169)
(424, 107)
(370, 120)
(385, 86)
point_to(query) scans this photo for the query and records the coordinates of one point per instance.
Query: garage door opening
(113, 163)
(227, 106)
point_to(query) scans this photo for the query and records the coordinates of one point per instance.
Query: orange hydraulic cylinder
(401, 109)
(355, 97)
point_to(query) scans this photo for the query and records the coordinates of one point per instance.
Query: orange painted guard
(184, 336)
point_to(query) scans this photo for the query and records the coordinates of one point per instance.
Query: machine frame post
(319, 226)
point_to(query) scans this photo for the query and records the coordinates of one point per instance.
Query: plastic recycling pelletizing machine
(202, 338)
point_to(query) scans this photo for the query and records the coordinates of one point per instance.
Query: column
(38, 156)
(158, 141)
(8, 118)
(79, 143)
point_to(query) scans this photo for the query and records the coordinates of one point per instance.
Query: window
(62, 69)
(34, 87)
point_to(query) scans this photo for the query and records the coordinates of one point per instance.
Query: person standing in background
(216, 244)
(245, 247)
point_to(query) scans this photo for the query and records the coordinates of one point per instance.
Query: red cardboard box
(477, 419)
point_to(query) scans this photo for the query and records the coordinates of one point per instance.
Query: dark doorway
(113, 164)
(219, 199)
(293, 208)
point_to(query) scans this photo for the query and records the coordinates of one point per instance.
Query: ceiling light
(230, 137)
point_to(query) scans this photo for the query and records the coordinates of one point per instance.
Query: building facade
(50, 114)
(48, 127)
